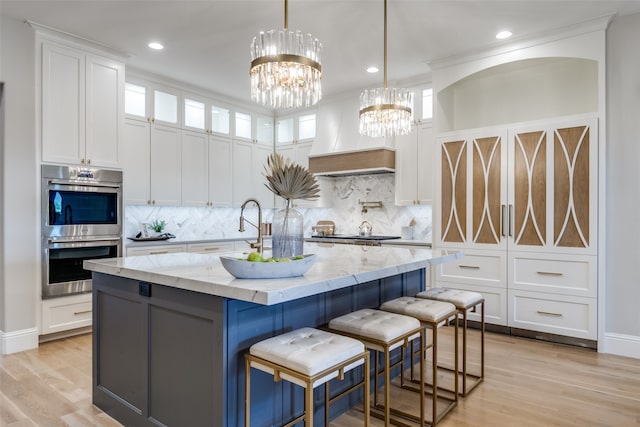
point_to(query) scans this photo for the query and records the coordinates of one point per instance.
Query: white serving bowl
(243, 269)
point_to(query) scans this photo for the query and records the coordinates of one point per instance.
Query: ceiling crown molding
(79, 40)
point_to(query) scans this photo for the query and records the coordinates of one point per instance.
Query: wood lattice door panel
(487, 190)
(571, 187)
(553, 185)
(454, 192)
(529, 188)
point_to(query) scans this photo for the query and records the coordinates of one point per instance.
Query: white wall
(2, 181)
(20, 256)
(623, 187)
(533, 89)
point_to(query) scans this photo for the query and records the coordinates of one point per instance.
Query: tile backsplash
(204, 223)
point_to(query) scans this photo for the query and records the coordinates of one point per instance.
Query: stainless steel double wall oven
(81, 219)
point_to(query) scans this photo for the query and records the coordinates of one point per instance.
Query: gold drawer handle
(549, 273)
(158, 253)
(77, 313)
(548, 313)
(211, 249)
(472, 267)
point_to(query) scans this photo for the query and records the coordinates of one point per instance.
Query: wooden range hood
(377, 160)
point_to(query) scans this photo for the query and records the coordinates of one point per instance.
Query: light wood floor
(528, 383)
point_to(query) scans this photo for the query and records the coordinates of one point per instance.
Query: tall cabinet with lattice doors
(521, 202)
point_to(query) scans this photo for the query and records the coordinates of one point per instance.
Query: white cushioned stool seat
(310, 358)
(308, 351)
(375, 324)
(422, 309)
(461, 299)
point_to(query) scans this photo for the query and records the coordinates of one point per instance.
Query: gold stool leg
(387, 388)
(423, 355)
(455, 352)
(326, 404)
(247, 392)
(308, 405)
(464, 351)
(434, 370)
(482, 343)
(365, 392)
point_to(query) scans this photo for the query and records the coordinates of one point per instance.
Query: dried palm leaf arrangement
(289, 180)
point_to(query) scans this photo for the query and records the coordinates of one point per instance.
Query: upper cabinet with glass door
(253, 128)
(153, 103)
(295, 135)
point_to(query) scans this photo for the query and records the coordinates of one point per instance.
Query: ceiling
(207, 42)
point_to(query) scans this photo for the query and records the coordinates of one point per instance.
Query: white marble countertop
(333, 269)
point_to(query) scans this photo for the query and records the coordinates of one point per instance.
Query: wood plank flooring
(528, 383)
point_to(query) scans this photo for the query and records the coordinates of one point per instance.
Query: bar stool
(465, 302)
(309, 358)
(432, 315)
(382, 332)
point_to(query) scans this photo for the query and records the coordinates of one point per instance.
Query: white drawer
(156, 250)
(495, 302)
(558, 274)
(479, 268)
(211, 248)
(64, 313)
(555, 314)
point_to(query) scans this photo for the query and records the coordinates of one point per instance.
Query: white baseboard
(622, 345)
(13, 342)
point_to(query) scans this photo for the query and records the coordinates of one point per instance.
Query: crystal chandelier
(285, 68)
(385, 112)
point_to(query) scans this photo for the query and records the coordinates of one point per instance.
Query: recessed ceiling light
(155, 45)
(372, 70)
(503, 34)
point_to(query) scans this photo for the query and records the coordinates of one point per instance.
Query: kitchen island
(170, 331)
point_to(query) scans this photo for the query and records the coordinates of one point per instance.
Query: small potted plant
(158, 226)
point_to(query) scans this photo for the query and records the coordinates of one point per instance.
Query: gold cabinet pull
(158, 253)
(77, 313)
(550, 273)
(548, 313)
(471, 267)
(211, 249)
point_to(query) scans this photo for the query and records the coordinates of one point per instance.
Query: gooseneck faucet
(258, 244)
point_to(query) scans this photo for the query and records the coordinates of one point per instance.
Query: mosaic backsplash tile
(205, 223)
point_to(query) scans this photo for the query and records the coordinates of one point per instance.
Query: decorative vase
(287, 232)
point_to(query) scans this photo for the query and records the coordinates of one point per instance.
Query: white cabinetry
(151, 164)
(249, 161)
(156, 250)
(414, 175)
(520, 201)
(82, 106)
(65, 313)
(211, 248)
(206, 170)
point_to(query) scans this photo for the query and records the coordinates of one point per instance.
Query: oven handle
(85, 243)
(84, 184)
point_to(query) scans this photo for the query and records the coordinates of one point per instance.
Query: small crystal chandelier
(385, 112)
(285, 68)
